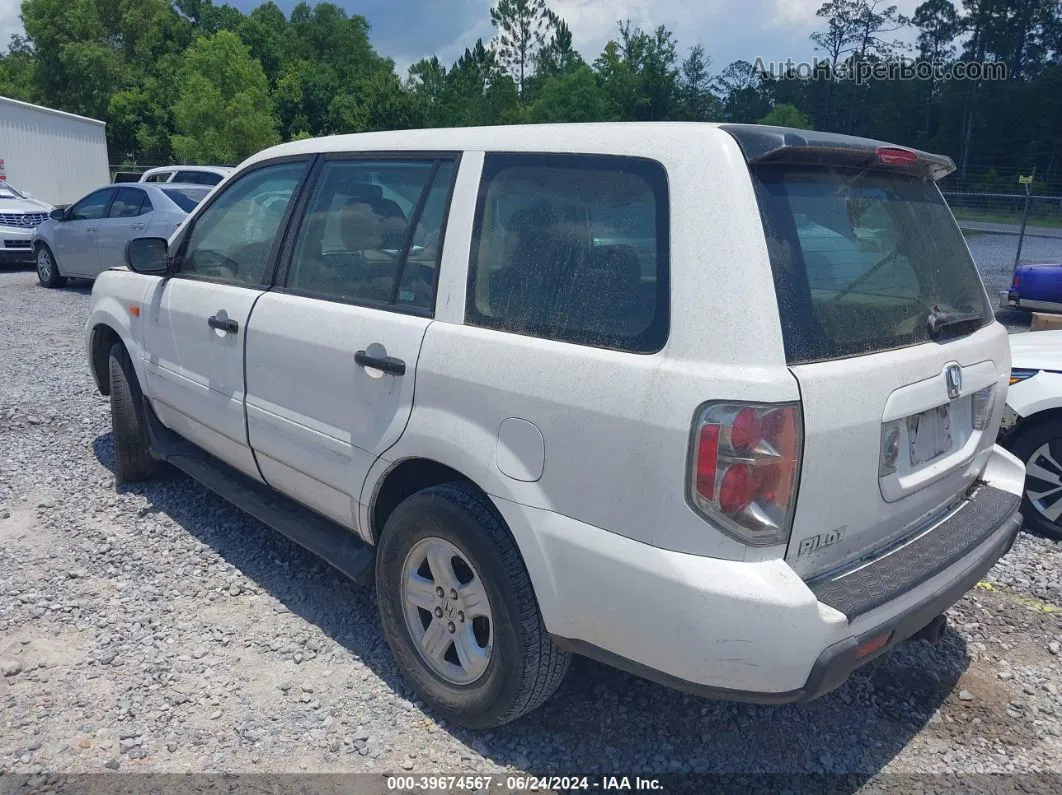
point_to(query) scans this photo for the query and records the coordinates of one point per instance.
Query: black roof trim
(764, 144)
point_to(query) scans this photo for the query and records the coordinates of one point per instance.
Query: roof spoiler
(763, 144)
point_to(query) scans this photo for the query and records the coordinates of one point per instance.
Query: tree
(224, 112)
(743, 100)
(695, 87)
(571, 97)
(785, 115)
(558, 56)
(521, 26)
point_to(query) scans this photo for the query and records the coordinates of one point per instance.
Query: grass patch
(964, 214)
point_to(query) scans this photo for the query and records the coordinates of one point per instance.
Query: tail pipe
(933, 631)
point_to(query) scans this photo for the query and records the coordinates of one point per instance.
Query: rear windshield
(864, 261)
(186, 198)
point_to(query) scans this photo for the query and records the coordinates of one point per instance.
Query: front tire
(47, 269)
(459, 612)
(132, 446)
(1039, 446)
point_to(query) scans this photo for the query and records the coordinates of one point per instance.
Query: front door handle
(389, 364)
(226, 325)
(91, 228)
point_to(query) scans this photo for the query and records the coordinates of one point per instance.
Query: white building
(55, 156)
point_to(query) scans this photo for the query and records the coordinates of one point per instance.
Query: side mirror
(57, 215)
(148, 255)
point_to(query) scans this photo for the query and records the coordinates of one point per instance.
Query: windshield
(186, 198)
(9, 192)
(864, 261)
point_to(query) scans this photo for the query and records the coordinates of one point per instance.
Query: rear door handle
(136, 226)
(226, 325)
(91, 228)
(389, 364)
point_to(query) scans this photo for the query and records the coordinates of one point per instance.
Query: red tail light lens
(1016, 282)
(744, 468)
(707, 458)
(896, 157)
(745, 432)
(735, 489)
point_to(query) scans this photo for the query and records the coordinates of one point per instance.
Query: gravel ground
(156, 629)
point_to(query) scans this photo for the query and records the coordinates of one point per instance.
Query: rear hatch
(887, 330)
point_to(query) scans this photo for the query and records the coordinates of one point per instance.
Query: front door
(75, 236)
(198, 318)
(332, 352)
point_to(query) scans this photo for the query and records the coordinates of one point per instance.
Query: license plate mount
(929, 434)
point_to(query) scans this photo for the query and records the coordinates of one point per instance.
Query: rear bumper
(745, 631)
(1008, 299)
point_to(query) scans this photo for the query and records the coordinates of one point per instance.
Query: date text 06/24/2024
(521, 783)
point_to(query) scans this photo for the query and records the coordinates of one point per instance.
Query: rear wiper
(946, 324)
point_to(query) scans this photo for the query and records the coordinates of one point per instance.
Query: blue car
(1036, 286)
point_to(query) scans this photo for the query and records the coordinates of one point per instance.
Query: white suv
(713, 404)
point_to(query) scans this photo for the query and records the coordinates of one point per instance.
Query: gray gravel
(156, 629)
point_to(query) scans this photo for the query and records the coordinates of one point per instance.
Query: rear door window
(864, 261)
(572, 248)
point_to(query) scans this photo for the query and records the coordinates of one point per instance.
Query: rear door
(891, 337)
(197, 325)
(332, 351)
(129, 215)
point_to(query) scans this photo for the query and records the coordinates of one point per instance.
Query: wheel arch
(404, 478)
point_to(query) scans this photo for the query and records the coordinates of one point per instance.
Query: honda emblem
(953, 375)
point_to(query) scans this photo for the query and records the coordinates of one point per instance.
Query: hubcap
(44, 265)
(1043, 480)
(447, 611)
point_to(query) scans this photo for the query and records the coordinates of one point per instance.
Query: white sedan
(1032, 426)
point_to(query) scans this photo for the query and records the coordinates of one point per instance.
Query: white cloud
(10, 23)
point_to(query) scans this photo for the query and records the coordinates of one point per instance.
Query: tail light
(896, 157)
(981, 407)
(744, 462)
(1015, 283)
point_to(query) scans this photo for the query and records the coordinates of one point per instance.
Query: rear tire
(1039, 446)
(519, 667)
(47, 268)
(132, 446)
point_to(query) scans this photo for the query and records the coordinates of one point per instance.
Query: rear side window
(186, 198)
(198, 177)
(862, 260)
(128, 204)
(572, 248)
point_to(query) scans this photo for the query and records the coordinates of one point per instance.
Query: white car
(1032, 426)
(586, 388)
(187, 175)
(20, 215)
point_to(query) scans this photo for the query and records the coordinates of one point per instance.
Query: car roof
(526, 137)
(627, 138)
(207, 169)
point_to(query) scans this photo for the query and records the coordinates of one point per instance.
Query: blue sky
(408, 30)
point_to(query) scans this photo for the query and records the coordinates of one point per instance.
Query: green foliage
(201, 80)
(785, 115)
(572, 97)
(223, 111)
(521, 26)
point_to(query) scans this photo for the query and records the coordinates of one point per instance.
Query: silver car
(90, 236)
